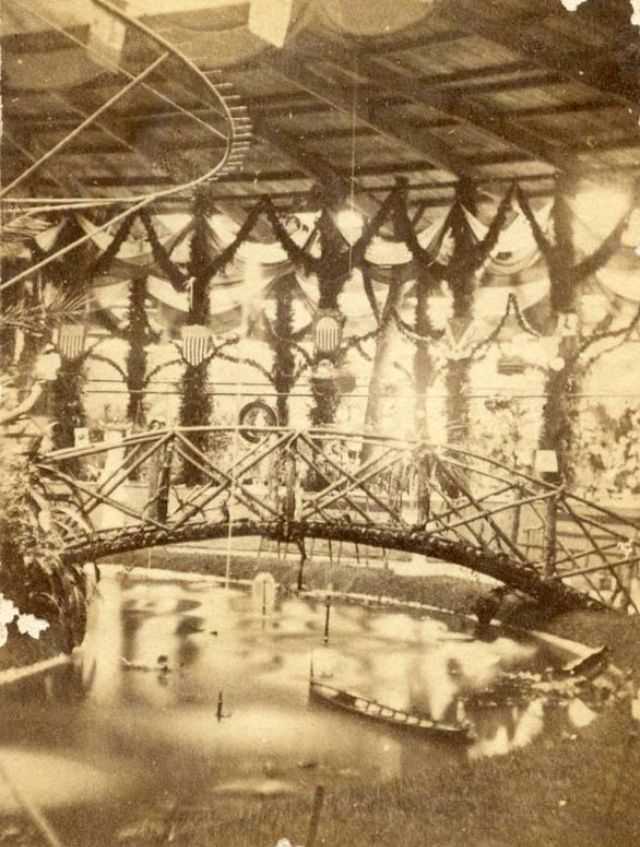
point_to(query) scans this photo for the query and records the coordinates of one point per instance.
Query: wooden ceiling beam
(583, 65)
(415, 42)
(562, 109)
(311, 163)
(451, 101)
(47, 41)
(474, 114)
(419, 141)
(276, 106)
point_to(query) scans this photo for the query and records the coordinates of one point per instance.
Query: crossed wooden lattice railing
(283, 483)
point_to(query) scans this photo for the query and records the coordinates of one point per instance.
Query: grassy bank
(577, 791)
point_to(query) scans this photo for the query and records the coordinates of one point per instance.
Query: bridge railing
(167, 480)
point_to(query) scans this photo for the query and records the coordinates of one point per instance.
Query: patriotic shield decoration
(71, 339)
(327, 331)
(196, 344)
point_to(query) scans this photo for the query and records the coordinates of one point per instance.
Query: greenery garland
(564, 273)
(205, 267)
(335, 262)
(475, 253)
(105, 259)
(214, 266)
(161, 256)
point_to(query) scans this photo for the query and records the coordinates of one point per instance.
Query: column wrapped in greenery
(566, 277)
(68, 408)
(461, 276)
(333, 268)
(284, 362)
(459, 272)
(422, 359)
(382, 354)
(196, 405)
(137, 336)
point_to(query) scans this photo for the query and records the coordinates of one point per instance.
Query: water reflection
(159, 654)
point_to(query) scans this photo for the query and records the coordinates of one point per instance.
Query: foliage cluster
(32, 571)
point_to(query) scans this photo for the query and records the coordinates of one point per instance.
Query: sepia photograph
(319, 423)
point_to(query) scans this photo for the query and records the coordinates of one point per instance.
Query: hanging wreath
(258, 414)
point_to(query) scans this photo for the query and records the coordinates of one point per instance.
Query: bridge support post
(165, 484)
(550, 536)
(161, 485)
(423, 491)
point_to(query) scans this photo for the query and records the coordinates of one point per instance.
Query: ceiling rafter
(601, 73)
(470, 112)
(419, 141)
(451, 102)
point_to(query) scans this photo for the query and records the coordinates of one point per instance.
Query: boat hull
(397, 718)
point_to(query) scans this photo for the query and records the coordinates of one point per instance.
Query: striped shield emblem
(327, 334)
(196, 344)
(71, 338)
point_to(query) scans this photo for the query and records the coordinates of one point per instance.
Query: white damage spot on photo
(572, 5)
(27, 624)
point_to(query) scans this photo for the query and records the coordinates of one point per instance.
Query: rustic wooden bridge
(192, 484)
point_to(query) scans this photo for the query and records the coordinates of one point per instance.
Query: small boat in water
(366, 708)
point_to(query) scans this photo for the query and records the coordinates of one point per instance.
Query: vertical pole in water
(318, 800)
(327, 616)
(264, 597)
(227, 574)
(220, 705)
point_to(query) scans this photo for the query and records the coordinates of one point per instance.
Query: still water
(186, 688)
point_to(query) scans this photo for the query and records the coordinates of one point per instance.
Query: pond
(188, 688)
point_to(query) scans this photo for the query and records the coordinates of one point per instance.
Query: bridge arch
(282, 483)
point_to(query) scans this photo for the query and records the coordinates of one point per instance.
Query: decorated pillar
(461, 276)
(422, 359)
(329, 321)
(284, 359)
(382, 356)
(137, 354)
(196, 405)
(562, 383)
(68, 408)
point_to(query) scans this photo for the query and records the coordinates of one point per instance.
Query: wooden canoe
(364, 707)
